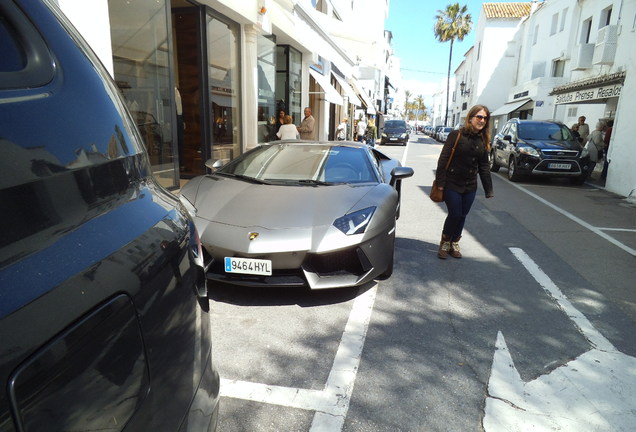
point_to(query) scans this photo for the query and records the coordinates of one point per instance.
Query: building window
(555, 24)
(538, 70)
(586, 30)
(606, 16)
(558, 66)
(564, 15)
(536, 35)
(572, 111)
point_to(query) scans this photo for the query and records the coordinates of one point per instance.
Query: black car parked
(395, 132)
(539, 148)
(103, 301)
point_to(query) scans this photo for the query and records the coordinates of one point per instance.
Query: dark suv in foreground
(539, 148)
(104, 320)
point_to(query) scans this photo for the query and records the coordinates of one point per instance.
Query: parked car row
(439, 133)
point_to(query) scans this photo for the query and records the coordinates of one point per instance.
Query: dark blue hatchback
(104, 320)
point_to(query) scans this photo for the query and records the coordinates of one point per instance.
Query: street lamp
(463, 89)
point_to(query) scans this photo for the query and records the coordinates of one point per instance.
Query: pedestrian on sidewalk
(372, 133)
(341, 130)
(287, 130)
(584, 129)
(606, 140)
(307, 126)
(459, 181)
(362, 130)
(595, 145)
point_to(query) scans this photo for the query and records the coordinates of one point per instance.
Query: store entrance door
(186, 22)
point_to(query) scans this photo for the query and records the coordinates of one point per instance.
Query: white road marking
(595, 230)
(596, 339)
(594, 392)
(332, 403)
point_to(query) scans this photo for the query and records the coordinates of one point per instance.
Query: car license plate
(393, 139)
(248, 266)
(559, 166)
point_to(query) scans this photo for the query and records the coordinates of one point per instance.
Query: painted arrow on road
(594, 392)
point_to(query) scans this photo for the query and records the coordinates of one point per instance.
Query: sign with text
(588, 95)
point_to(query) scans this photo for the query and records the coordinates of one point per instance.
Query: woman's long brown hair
(485, 132)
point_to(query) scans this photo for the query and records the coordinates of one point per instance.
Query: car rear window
(12, 58)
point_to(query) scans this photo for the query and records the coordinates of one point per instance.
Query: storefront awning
(509, 107)
(331, 94)
(353, 98)
(365, 97)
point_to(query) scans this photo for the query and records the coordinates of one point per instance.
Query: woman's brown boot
(454, 248)
(444, 247)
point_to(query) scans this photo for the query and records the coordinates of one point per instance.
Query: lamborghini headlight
(356, 222)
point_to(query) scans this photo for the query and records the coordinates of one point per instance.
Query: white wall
(91, 19)
(622, 154)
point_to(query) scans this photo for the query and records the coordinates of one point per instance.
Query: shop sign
(587, 95)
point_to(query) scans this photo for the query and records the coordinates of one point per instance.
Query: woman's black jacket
(470, 159)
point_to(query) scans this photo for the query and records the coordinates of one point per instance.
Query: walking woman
(459, 181)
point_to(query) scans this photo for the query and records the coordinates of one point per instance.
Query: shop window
(223, 71)
(289, 81)
(139, 35)
(266, 69)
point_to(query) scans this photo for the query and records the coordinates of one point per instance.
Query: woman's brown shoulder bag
(437, 195)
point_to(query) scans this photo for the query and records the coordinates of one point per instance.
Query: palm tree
(452, 23)
(407, 96)
(419, 106)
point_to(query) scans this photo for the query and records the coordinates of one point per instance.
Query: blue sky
(424, 60)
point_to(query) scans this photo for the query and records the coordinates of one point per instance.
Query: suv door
(103, 307)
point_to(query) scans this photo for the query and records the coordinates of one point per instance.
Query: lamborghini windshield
(303, 164)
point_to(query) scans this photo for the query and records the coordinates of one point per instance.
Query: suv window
(25, 61)
(12, 58)
(544, 131)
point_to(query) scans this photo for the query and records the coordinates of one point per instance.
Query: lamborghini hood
(239, 203)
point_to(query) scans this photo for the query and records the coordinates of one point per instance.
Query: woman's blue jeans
(458, 205)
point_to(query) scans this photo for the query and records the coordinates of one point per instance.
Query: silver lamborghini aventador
(298, 213)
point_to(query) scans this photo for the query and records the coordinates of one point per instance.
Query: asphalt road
(533, 324)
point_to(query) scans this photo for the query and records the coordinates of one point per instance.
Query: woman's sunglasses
(481, 117)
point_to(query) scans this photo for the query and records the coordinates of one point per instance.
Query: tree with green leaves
(407, 102)
(450, 24)
(419, 106)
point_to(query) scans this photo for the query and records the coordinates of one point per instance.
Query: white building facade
(564, 59)
(206, 79)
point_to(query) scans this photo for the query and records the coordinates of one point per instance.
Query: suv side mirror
(507, 138)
